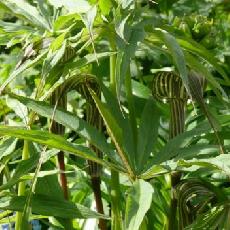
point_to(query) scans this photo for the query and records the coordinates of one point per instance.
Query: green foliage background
(124, 44)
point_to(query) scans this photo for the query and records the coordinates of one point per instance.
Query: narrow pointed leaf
(49, 206)
(147, 132)
(115, 133)
(196, 48)
(138, 202)
(71, 121)
(182, 140)
(54, 141)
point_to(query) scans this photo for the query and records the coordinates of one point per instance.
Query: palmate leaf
(131, 37)
(115, 132)
(22, 8)
(55, 141)
(176, 145)
(127, 141)
(51, 206)
(138, 202)
(71, 121)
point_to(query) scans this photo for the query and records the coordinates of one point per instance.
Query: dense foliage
(114, 114)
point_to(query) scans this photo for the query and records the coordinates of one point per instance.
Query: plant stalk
(96, 186)
(22, 186)
(116, 223)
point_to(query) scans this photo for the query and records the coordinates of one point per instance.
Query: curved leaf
(49, 206)
(55, 141)
(71, 121)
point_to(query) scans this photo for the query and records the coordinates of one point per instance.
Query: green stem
(112, 62)
(115, 182)
(22, 186)
(115, 199)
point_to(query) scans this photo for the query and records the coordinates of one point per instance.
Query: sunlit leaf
(137, 204)
(23, 9)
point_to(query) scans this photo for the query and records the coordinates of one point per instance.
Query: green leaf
(45, 11)
(79, 6)
(127, 141)
(175, 145)
(219, 163)
(28, 64)
(23, 9)
(88, 19)
(147, 133)
(23, 168)
(197, 94)
(115, 133)
(198, 49)
(15, 28)
(134, 35)
(48, 184)
(19, 109)
(180, 141)
(56, 52)
(105, 6)
(71, 121)
(65, 20)
(7, 146)
(177, 54)
(196, 151)
(141, 90)
(50, 206)
(87, 59)
(138, 202)
(54, 141)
